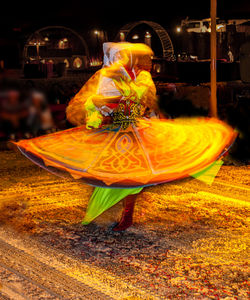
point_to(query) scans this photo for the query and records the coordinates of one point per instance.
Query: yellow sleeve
(81, 109)
(76, 110)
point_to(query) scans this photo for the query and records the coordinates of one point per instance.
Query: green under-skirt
(104, 198)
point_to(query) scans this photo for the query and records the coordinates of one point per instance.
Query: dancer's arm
(99, 100)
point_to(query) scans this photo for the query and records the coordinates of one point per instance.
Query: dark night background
(111, 15)
(19, 20)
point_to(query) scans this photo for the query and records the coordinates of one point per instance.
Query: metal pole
(213, 98)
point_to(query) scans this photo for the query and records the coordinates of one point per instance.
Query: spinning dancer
(119, 145)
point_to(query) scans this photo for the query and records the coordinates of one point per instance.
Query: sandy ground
(190, 240)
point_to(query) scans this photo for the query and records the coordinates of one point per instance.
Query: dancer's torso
(122, 113)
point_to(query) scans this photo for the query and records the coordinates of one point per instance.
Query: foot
(127, 215)
(122, 225)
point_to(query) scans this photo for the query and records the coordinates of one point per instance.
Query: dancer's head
(127, 54)
(117, 53)
(143, 55)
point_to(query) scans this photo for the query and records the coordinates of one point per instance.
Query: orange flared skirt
(149, 152)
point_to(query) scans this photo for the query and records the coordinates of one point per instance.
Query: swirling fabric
(150, 152)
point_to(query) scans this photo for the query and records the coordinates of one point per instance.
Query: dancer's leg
(127, 215)
(104, 198)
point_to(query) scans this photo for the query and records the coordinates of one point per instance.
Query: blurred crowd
(24, 116)
(30, 112)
